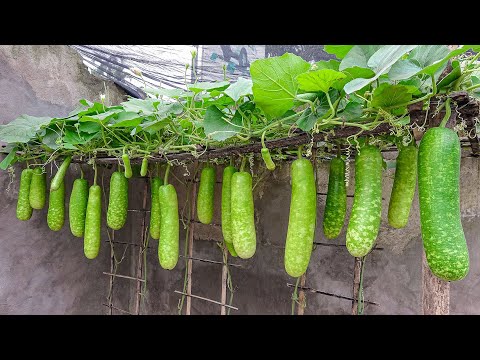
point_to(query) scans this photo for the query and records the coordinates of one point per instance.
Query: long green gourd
(366, 212)
(439, 199)
(302, 218)
(336, 202)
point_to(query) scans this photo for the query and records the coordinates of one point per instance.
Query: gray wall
(41, 271)
(45, 272)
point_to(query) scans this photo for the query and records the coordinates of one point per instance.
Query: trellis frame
(435, 292)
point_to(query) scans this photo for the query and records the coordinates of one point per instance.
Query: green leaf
(23, 128)
(84, 105)
(208, 86)
(322, 109)
(239, 89)
(435, 67)
(307, 120)
(358, 56)
(72, 137)
(330, 64)
(353, 73)
(413, 84)
(165, 110)
(403, 69)
(9, 159)
(127, 119)
(144, 106)
(338, 50)
(153, 126)
(221, 101)
(52, 139)
(380, 62)
(452, 76)
(95, 109)
(352, 112)
(100, 118)
(319, 80)
(476, 92)
(89, 127)
(171, 93)
(387, 95)
(274, 85)
(216, 126)
(85, 102)
(419, 60)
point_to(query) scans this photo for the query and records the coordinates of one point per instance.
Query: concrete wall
(44, 272)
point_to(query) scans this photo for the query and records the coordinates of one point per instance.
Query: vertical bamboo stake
(140, 251)
(301, 295)
(112, 267)
(223, 310)
(190, 243)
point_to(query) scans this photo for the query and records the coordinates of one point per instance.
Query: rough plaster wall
(43, 272)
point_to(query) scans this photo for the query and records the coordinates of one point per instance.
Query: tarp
(172, 66)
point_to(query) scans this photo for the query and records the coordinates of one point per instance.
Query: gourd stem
(300, 149)
(95, 173)
(167, 171)
(244, 161)
(448, 112)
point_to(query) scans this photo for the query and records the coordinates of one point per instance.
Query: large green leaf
(359, 56)
(476, 92)
(353, 73)
(452, 75)
(73, 137)
(388, 95)
(435, 67)
(322, 110)
(145, 106)
(9, 159)
(100, 118)
(127, 119)
(307, 120)
(338, 50)
(242, 87)
(89, 127)
(52, 138)
(208, 86)
(153, 125)
(319, 80)
(330, 64)
(380, 62)
(164, 110)
(419, 60)
(274, 84)
(352, 112)
(23, 128)
(216, 126)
